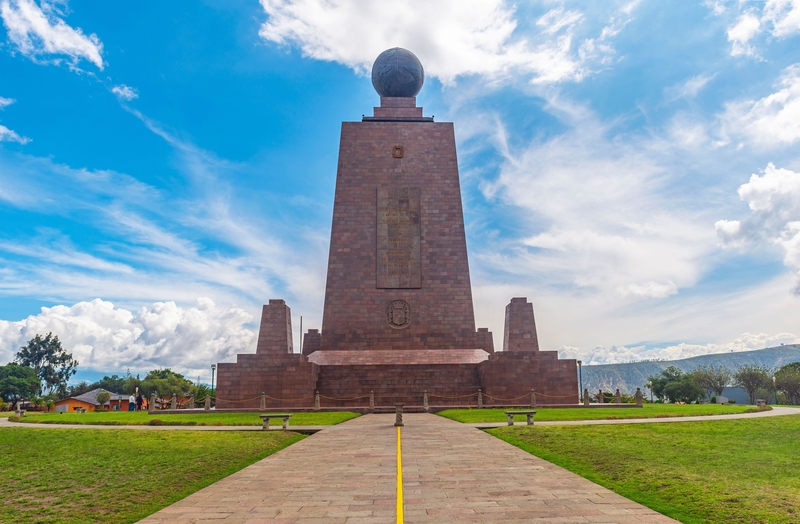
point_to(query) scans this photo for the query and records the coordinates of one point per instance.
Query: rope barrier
(555, 396)
(286, 399)
(354, 398)
(446, 396)
(507, 399)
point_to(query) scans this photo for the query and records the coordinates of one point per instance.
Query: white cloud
(5, 102)
(783, 15)
(451, 37)
(779, 18)
(771, 121)
(740, 34)
(107, 338)
(125, 92)
(623, 354)
(774, 200)
(7, 135)
(40, 31)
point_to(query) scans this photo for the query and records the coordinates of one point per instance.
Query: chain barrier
(554, 396)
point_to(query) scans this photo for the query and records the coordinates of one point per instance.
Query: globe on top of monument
(397, 72)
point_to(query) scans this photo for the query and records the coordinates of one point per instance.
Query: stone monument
(398, 314)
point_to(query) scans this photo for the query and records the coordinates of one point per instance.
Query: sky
(631, 167)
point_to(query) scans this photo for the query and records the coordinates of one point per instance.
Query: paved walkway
(452, 473)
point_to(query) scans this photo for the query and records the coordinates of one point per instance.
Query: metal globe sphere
(397, 72)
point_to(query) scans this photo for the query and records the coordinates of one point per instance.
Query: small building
(88, 401)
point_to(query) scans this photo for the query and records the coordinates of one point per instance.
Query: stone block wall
(508, 375)
(275, 332)
(520, 327)
(290, 377)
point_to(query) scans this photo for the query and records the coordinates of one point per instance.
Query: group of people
(135, 403)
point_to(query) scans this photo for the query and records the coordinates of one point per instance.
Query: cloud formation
(125, 92)
(103, 337)
(777, 18)
(623, 354)
(40, 31)
(774, 201)
(771, 121)
(452, 37)
(7, 135)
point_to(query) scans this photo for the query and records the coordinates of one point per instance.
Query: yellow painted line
(399, 479)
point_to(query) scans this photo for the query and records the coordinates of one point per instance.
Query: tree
(18, 382)
(166, 383)
(659, 382)
(102, 398)
(787, 379)
(683, 390)
(752, 378)
(79, 389)
(713, 379)
(53, 365)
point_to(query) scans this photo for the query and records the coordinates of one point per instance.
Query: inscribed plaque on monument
(398, 238)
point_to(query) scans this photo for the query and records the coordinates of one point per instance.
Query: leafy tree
(753, 378)
(79, 389)
(683, 390)
(787, 379)
(659, 382)
(712, 378)
(18, 382)
(113, 383)
(52, 363)
(166, 383)
(102, 398)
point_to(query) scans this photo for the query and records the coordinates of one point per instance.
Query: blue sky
(631, 167)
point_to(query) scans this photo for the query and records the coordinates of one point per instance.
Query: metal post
(263, 400)
(580, 374)
(213, 369)
(316, 401)
(301, 334)
(480, 399)
(371, 400)
(425, 400)
(533, 398)
(398, 414)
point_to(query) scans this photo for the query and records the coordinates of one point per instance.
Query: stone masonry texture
(387, 333)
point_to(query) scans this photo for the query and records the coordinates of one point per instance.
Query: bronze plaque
(398, 238)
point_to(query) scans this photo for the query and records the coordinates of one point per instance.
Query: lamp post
(775, 389)
(213, 369)
(580, 374)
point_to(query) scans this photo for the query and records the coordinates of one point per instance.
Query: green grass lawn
(200, 419)
(733, 471)
(544, 414)
(93, 475)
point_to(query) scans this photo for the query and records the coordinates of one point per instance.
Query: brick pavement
(452, 473)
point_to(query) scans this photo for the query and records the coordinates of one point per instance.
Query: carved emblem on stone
(398, 314)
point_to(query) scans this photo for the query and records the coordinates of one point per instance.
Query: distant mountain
(627, 377)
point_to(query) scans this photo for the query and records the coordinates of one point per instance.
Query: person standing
(132, 403)
(139, 402)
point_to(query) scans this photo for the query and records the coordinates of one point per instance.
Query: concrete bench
(266, 416)
(528, 413)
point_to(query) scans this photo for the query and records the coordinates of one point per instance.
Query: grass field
(93, 475)
(121, 418)
(647, 411)
(733, 471)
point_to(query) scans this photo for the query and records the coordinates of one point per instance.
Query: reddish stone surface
(520, 328)
(363, 347)
(275, 333)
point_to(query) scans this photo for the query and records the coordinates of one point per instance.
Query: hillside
(627, 377)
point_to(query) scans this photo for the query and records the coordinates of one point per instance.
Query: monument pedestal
(398, 317)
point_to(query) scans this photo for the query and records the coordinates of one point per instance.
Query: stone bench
(528, 413)
(266, 416)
